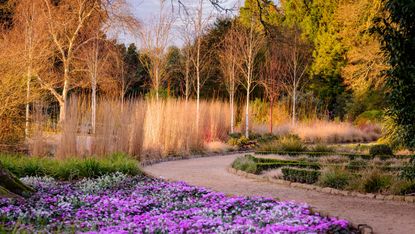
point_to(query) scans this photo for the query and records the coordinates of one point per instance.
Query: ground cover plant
(118, 203)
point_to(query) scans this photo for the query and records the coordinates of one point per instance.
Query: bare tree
(297, 56)
(197, 18)
(13, 85)
(186, 34)
(155, 37)
(272, 75)
(249, 44)
(98, 51)
(66, 22)
(228, 56)
(69, 25)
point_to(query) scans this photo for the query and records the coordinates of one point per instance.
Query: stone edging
(177, 158)
(410, 199)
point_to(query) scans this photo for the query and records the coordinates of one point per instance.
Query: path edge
(326, 190)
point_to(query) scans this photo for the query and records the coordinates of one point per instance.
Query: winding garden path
(383, 216)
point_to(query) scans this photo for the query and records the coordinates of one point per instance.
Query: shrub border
(327, 190)
(318, 154)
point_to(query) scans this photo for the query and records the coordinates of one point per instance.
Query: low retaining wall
(410, 199)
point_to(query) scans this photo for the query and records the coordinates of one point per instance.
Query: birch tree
(187, 39)
(228, 56)
(29, 23)
(98, 51)
(249, 45)
(66, 22)
(198, 19)
(155, 37)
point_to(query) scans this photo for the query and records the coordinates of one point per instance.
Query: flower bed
(140, 204)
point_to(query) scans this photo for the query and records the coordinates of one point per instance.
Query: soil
(210, 172)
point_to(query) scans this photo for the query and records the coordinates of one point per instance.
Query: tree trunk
(271, 105)
(293, 107)
(11, 186)
(231, 97)
(187, 83)
(27, 114)
(63, 104)
(94, 108)
(198, 85)
(247, 113)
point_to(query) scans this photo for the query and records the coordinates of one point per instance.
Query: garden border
(327, 190)
(192, 156)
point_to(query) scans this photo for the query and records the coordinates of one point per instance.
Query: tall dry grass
(335, 132)
(144, 128)
(323, 131)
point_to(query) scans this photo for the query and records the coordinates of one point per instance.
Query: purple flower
(142, 205)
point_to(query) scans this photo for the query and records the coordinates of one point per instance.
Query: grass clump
(291, 143)
(70, 169)
(245, 163)
(374, 181)
(403, 187)
(300, 175)
(322, 148)
(335, 178)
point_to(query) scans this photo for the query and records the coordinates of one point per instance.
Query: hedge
(298, 164)
(319, 154)
(300, 175)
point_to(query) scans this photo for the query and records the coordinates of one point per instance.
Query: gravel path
(210, 172)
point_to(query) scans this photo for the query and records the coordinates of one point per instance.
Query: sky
(144, 10)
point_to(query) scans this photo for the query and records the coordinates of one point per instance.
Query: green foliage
(135, 73)
(262, 166)
(380, 150)
(318, 23)
(268, 14)
(369, 117)
(275, 150)
(372, 102)
(396, 30)
(240, 142)
(251, 164)
(300, 175)
(70, 169)
(259, 111)
(408, 172)
(375, 181)
(335, 178)
(245, 163)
